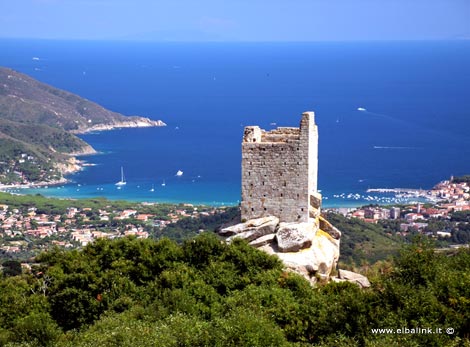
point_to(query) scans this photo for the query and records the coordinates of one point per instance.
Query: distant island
(38, 124)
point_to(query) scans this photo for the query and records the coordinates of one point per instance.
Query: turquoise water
(413, 133)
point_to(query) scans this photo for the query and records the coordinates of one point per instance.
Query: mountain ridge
(24, 99)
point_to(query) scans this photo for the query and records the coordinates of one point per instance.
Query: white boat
(179, 173)
(153, 188)
(163, 184)
(361, 109)
(122, 182)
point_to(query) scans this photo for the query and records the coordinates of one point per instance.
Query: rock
(315, 205)
(292, 237)
(317, 260)
(263, 240)
(303, 247)
(128, 122)
(354, 277)
(252, 229)
(329, 228)
(249, 235)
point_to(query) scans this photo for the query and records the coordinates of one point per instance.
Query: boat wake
(393, 147)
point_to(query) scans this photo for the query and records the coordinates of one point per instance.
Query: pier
(397, 190)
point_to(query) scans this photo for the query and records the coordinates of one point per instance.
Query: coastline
(58, 182)
(138, 122)
(74, 165)
(141, 195)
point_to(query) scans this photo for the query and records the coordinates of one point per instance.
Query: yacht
(122, 182)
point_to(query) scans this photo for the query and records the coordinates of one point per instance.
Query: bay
(413, 133)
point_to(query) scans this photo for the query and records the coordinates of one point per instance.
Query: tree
(11, 268)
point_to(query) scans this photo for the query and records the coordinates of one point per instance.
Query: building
(279, 172)
(395, 213)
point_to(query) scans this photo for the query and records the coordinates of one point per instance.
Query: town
(445, 199)
(29, 225)
(26, 230)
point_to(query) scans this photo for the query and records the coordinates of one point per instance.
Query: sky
(236, 20)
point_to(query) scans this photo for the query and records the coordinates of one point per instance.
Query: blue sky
(236, 20)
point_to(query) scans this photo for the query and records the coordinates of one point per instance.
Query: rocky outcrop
(292, 237)
(85, 150)
(70, 166)
(263, 240)
(314, 209)
(329, 228)
(304, 248)
(251, 230)
(315, 262)
(354, 277)
(132, 122)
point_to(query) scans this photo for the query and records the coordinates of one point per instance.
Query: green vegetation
(15, 169)
(36, 120)
(60, 206)
(130, 292)
(36, 223)
(363, 242)
(189, 227)
(27, 101)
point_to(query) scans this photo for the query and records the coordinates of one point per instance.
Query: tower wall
(279, 171)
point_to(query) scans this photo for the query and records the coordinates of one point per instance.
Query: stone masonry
(279, 172)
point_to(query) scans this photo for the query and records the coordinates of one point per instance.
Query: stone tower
(279, 172)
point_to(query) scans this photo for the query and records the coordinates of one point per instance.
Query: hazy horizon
(235, 21)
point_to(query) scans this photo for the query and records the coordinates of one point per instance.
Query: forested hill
(130, 292)
(37, 121)
(26, 100)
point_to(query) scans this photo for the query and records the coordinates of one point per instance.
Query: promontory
(38, 124)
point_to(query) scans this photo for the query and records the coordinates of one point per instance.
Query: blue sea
(414, 131)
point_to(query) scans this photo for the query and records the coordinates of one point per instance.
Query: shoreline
(329, 204)
(141, 122)
(34, 184)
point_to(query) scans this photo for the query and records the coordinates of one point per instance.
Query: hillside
(130, 292)
(37, 127)
(26, 100)
(364, 242)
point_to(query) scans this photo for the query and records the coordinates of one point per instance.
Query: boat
(179, 173)
(122, 182)
(153, 188)
(361, 109)
(163, 184)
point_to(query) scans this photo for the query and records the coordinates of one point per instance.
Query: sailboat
(153, 188)
(163, 184)
(122, 182)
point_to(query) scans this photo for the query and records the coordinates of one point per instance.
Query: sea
(392, 114)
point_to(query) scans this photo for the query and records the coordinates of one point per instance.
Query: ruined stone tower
(279, 172)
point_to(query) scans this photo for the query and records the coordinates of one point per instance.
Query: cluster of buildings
(16, 170)
(455, 192)
(450, 197)
(24, 230)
